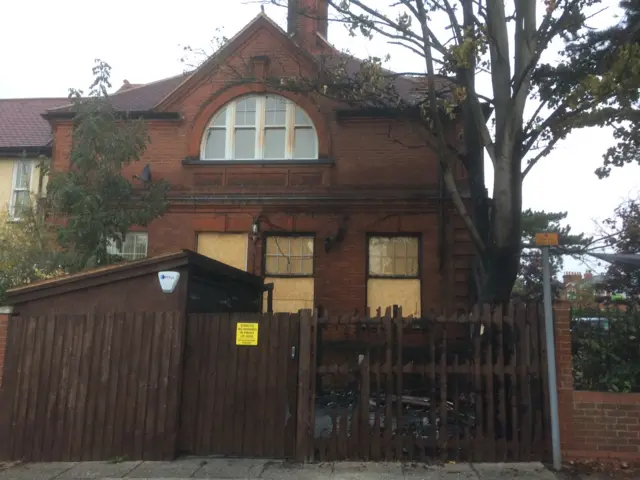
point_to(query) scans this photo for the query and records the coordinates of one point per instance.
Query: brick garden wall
(595, 425)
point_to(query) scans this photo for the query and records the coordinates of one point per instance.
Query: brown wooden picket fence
(468, 387)
(157, 385)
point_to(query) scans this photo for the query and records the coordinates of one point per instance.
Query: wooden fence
(471, 387)
(91, 388)
(153, 386)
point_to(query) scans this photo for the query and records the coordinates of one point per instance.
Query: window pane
(23, 174)
(274, 143)
(400, 266)
(140, 250)
(272, 248)
(375, 267)
(296, 265)
(305, 143)
(307, 266)
(215, 147)
(302, 119)
(283, 265)
(245, 143)
(276, 111)
(296, 247)
(221, 119)
(412, 266)
(412, 248)
(246, 112)
(307, 247)
(21, 203)
(387, 266)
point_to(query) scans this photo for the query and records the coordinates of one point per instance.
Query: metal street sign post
(544, 241)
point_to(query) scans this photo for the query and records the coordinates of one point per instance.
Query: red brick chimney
(306, 18)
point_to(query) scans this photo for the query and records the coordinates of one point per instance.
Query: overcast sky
(48, 47)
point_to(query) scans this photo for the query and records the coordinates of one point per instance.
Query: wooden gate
(465, 388)
(240, 400)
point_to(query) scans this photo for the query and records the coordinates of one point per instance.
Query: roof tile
(21, 122)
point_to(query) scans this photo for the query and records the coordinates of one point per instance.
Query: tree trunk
(503, 252)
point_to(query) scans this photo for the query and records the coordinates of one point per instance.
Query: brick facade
(595, 425)
(366, 172)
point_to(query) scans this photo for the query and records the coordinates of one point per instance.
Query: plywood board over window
(229, 248)
(289, 266)
(393, 273)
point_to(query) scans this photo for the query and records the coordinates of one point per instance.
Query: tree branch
(445, 155)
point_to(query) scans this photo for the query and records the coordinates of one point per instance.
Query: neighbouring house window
(393, 257)
(20, 200)
(267, 127)
(134, 246)
(289, 256)
(393, 274)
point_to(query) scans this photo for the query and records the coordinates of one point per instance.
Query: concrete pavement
(220, 468)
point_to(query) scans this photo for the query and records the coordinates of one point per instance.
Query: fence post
(564, 368)
(5, 313)
(306, 386)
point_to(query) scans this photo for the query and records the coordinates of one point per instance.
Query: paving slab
(177, 469)
(525, 471)
(417, 471)
(287, 471)
(88, 470)
(369, 471)
(223, 468)
(36, 471)
(452, 471)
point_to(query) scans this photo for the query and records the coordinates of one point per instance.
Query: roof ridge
(142, 85)
(32, 98)
(132, 89)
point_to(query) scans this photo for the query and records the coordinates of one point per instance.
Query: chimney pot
(306, 18)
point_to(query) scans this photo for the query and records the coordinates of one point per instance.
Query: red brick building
(334, 208)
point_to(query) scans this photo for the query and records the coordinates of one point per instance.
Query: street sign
(546, 239)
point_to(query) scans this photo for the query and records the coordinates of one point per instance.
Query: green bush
(606, 350)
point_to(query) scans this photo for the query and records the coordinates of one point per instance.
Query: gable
(260, 38)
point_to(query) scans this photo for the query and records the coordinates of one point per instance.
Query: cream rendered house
(25, 145)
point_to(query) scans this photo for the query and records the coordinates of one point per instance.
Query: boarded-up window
(289, 266)
(229, 248)
(394, 273)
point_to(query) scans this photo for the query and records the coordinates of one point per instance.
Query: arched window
(260, 127)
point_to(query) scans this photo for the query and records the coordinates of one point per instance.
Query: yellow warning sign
(546, 239)
(247, 334)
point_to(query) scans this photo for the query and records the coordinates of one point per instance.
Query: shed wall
(136, 294)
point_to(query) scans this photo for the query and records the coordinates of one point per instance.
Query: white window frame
(112, 248)
(15, 188)
(260, 127)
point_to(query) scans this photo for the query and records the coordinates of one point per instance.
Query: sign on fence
(247, 334)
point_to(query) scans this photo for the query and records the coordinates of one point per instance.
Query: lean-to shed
(204, 286)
